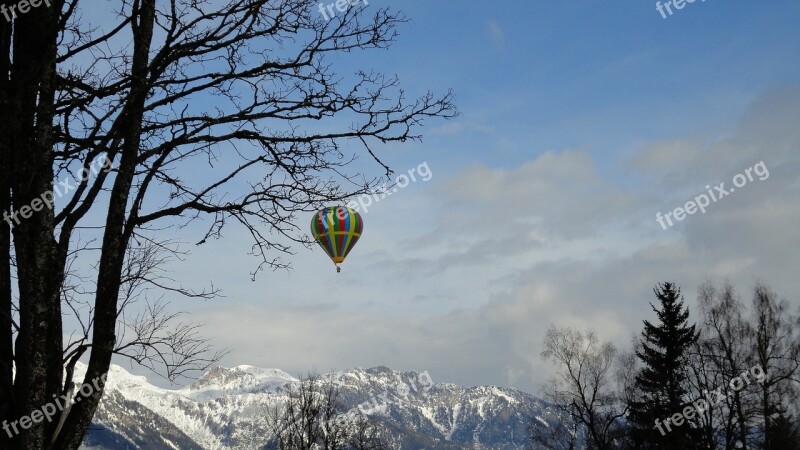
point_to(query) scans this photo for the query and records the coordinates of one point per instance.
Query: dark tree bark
(6, 312)
(27, 125)
(242, 86)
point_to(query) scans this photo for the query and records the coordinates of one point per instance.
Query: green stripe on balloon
(337, 234)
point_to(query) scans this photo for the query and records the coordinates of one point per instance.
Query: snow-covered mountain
(226, 409)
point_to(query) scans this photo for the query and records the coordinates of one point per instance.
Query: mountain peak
(227, 409)
(221, 381)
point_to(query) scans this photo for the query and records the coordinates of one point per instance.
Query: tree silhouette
(761, 346)
(314, 418)
(585, 389)
(662, 381)
(244, 89)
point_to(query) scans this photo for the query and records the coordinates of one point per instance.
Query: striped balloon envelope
(337, 229)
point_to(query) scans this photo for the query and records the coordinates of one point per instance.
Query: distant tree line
(729, 381)
(314, 418)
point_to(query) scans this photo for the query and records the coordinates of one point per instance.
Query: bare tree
(776, 347)
(764, 340)
(725, 334)
(299, 423)
(244, 87)
(365, 434)
(314, 418)
(585, 388)
(561, 435)
(702, 378)
(150, 335)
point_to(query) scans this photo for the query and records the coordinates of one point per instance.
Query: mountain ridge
(226, 409)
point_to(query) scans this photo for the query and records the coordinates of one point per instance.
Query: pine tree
(661, 383)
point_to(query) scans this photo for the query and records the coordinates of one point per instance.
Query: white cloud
(462, 276)
(496, 33)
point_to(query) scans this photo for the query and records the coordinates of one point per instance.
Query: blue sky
(601, 75)
(579, 122)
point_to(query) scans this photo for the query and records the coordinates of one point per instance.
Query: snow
(195, 409)
(227, 408)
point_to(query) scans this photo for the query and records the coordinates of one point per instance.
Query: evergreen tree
(661, 383)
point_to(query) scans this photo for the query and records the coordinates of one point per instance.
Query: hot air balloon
(337, 229)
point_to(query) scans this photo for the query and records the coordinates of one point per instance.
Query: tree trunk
(116, 235)
(28, 119)
(6, 330)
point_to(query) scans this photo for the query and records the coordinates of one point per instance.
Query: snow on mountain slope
(226, 409)
(221, 382)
